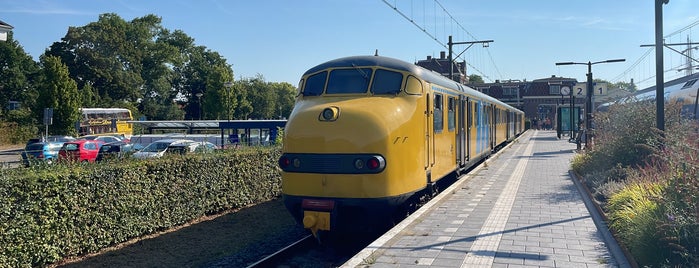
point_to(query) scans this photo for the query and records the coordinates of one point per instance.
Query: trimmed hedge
(52, 212)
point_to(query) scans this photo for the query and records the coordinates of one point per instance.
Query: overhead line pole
(590, 92)
(470, 43)
(659, 74)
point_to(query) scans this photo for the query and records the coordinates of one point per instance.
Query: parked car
(54, 138)
(80, 151)
(114, 150)
(40, 152)
(157, 148)
(195, 147)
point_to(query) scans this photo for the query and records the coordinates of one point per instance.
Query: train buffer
(523, 208)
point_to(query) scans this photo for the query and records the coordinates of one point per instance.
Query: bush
(634, 214)
(51, 212)
(650, 181)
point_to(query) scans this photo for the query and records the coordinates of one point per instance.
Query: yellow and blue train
(371, 136)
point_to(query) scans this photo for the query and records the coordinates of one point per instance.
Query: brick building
(441, 65)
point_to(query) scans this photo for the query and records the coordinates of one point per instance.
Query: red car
(80, 151)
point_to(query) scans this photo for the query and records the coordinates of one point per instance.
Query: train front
(352, 152)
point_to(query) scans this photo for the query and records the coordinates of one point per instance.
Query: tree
(203, 71)
(475, 79)
(18, 72)
(118, 63)
(58, 91)
(286, 94)
(18, 75)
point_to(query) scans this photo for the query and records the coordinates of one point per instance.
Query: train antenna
(376, 53)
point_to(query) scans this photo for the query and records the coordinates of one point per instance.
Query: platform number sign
(580, 89)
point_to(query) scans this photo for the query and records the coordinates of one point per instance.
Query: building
(4, 30)
(442, 66)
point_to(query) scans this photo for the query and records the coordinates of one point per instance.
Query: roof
(4, 25)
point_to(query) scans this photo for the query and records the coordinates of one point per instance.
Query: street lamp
(201, 108)
(590, 91)
(228, 86)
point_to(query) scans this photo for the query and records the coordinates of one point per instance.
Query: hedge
(48, 213)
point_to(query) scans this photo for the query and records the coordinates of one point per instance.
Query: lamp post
(201, 108)
(228, 86)
(590, 91)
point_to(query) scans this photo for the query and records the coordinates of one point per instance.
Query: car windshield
(155, 147)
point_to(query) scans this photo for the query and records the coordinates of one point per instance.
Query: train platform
(521, 208)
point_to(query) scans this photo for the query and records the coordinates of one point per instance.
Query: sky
(281, 39)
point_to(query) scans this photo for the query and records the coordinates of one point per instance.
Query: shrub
(634, 214)
(51, 212)
(650, 180)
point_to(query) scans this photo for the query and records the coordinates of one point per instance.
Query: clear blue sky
(280, 39)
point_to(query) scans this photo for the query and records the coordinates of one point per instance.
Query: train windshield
(354, 81)
(348, 81)
(387, 82)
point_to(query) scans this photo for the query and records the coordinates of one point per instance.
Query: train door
(469, 126)
(493, 125)
(429, 138)
(461, 153)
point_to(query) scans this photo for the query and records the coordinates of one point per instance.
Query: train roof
(648, 94)
(392, 63)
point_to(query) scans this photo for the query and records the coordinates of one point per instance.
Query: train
(683, 90)
(370, 137)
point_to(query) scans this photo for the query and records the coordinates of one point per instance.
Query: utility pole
(590, 92)
(451, 61)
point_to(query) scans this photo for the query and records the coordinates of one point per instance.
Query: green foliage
(634, 213)
(18, 126)
(51, 212)
(60, 92)
(624, 136)
(475, 79)
(649, 181)
(677, 163)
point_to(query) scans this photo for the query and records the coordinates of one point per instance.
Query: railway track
(307, 252)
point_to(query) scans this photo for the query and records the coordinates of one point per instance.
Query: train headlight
(358, 163)
(329, 114)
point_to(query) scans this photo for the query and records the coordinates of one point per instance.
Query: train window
(315, 84)
(451, 121)
(689, 83)
(344, 81)
(469, 116)
(298, 88)
(438, 113)
(413, 86)
(387, 82)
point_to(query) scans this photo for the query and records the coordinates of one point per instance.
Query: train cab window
(387, 82)
(315, 84)
(451, 114)
(438, 113)
(413, 86)
(348, 81)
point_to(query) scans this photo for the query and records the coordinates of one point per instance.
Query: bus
(95, 121)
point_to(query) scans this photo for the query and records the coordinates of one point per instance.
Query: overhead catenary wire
(424, 29)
